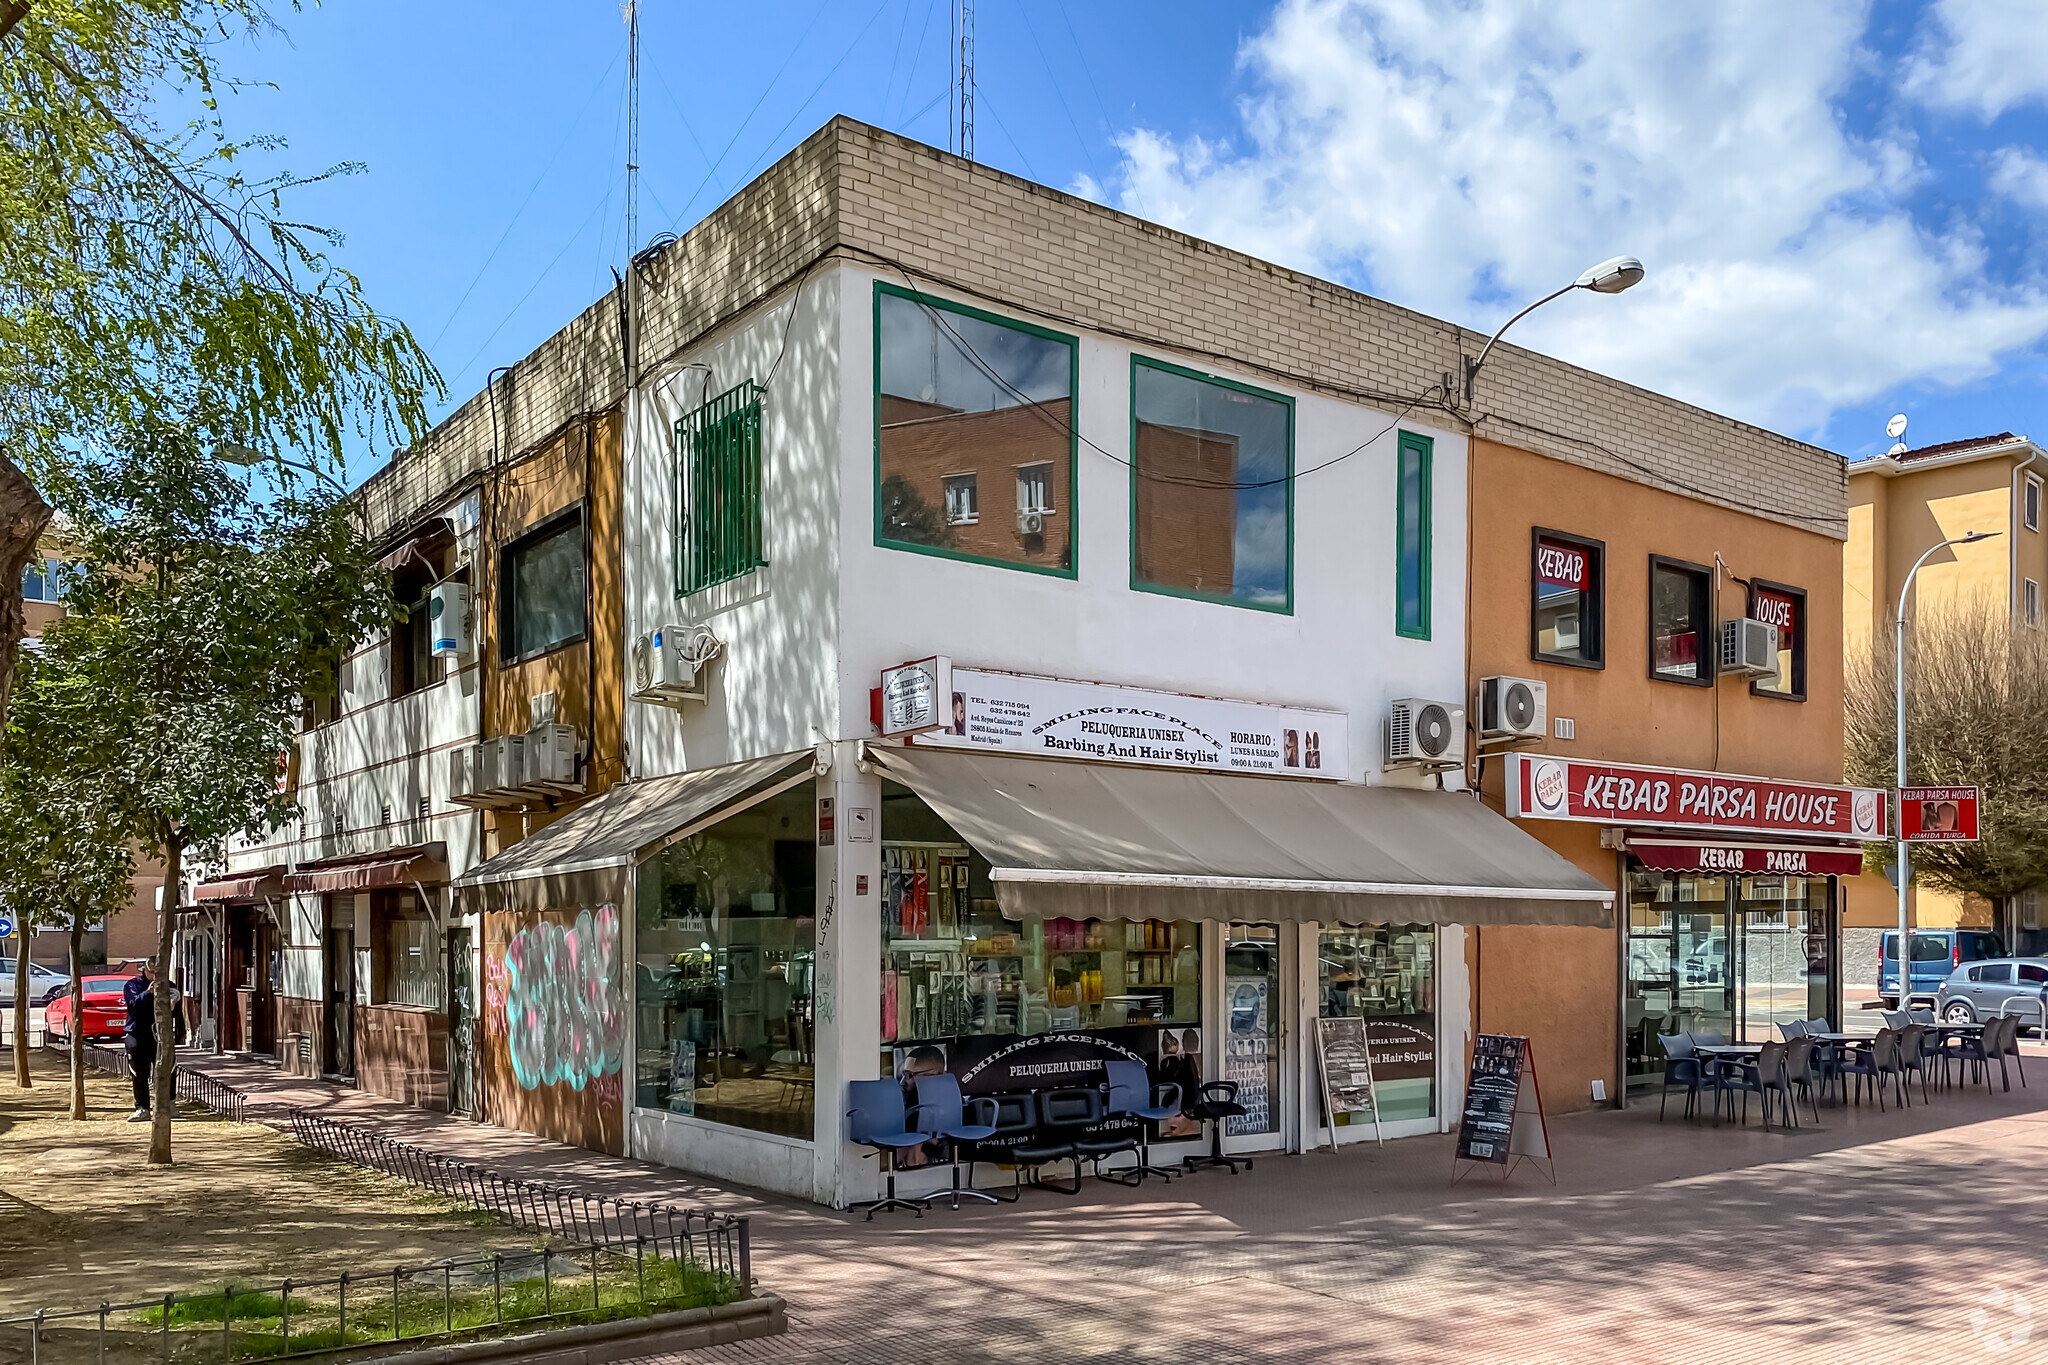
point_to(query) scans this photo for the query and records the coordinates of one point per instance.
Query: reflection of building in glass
(1187, 508)
(991, 484)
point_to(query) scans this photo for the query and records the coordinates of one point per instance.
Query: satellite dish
(1898, 449)
(1896, 427)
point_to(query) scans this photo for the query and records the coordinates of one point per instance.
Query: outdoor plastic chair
(1799, 1075)
(1976, 1051)
(1912, 1055)
(1681, 1068)
(1793, 1028)
(2010, 1047)
(1744, 1077)
(1868, 1061)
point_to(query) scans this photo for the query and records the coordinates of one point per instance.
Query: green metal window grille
(1411, 527)
(718, 533)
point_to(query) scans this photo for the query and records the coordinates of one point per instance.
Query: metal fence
(401, 1304)
(221, 1098)
(718, 1242)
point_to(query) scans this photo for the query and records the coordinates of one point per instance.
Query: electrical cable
(776, 140)
(712, 170)
(1059, 94)
(1015, 146)
(796, 301)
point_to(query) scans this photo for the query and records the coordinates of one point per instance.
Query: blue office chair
(941, 1108)
(1132, 1093)
(876, 1120)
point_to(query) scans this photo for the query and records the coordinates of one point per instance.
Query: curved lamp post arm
(1611, 276)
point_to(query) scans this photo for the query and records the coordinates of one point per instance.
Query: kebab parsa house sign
(1544, 788)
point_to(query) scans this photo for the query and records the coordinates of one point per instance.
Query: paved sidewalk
(1871, 1236)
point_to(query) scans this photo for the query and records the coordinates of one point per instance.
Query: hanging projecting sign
(913, 695)
(1544, 788)
(1938, 815)
(1053, 718)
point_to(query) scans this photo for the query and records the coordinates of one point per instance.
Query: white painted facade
(806, 638)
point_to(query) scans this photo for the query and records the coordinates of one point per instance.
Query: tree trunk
(163, 1086)
(21, 992)
(76, 1046)
(23, 515)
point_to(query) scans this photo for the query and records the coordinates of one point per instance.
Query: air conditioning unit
(668, 663)
(500, 763)
(550, 754)
(448, 619)
(1749, 649)
(1030, 522)
(1513, 708)
(1425, 734)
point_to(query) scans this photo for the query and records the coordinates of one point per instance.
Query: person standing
(140, 1037)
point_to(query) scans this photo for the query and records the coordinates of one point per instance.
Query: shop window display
(1386, 975)
(965, 989)
(727, 934)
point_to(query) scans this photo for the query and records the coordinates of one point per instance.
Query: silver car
(44, 985)
(1976, 991)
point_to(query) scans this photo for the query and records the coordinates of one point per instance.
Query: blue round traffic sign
(6, 926)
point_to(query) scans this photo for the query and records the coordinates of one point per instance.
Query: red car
(106, 1010)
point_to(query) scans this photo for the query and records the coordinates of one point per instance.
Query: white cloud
(1463, 158)
(1986, 56)
(2020, 175)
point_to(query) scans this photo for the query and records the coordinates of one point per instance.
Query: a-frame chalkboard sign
(1503, 1124)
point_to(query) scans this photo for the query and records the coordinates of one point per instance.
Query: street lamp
(1905, 856)
(247, 457)
(1611, 276)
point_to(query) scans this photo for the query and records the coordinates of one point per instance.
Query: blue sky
(1841, 205)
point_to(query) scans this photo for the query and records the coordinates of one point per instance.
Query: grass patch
(466, 1300)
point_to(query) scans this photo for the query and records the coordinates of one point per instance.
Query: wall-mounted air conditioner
(669, 662)
(1749, 648)
(549, 755)
(1425, 734)
(448, 619)
(1512, 708)
(500, 763)
(1030, 522)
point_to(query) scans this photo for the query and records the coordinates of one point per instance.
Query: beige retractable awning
(1093, 841)
(587, 856)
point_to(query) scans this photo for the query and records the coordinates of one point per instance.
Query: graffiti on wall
(565, 1014)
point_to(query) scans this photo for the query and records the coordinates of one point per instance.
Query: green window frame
(1070, 514)
(718, 528)
(1285, 606)
(1414, 496)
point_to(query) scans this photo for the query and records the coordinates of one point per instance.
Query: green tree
(202, 616)
(64, 851)
(146, 278)
(1976, 714)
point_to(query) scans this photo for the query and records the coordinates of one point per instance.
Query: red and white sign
(1775, 610)
(1938, 815)
(1762, 860)
(1565, 565)
(1544, 788)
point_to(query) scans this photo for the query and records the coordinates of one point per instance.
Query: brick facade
(919, 214)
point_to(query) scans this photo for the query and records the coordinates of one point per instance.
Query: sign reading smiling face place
(1544, 788)
(1054, 718)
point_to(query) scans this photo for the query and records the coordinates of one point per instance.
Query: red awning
(385, 868)
(1756, 860)
(264, 884)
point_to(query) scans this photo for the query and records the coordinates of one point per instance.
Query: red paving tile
(1871, 1235)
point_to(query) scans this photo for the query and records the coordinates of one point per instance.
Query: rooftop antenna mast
(963, 92)
(631, 10)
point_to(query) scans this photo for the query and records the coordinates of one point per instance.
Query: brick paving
(1872, 1235)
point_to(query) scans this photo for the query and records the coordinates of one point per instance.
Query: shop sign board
(1503, 1119)
(1541, 787)
(1761, 860)
(1055, 718)
(1345, 1057)
(1938, 815)
(914, 695)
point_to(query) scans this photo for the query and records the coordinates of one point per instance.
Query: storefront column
(849, 970)
(1454, 1025)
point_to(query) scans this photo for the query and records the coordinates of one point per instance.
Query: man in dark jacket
(140, 1037)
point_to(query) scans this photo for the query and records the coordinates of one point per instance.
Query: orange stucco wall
(1561, 987)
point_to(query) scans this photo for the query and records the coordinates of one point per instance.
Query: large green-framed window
(718, 532)
(1212, 488)
(974, 434)
(1412, 490)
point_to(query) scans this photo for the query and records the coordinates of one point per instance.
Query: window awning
(1092, 841)
(587, 856)
(266, 883)
(379, 870)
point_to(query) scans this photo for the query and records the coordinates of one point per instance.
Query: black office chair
(1063, 1115)
(941, 1108)
(1214, 1103)
(1015, 1115)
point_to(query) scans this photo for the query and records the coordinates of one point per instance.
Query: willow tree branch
(148, 153)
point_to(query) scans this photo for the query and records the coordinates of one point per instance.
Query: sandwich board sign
(1503, 1122)
(1346, 1063)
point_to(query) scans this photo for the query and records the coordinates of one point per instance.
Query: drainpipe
(2018, 517)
